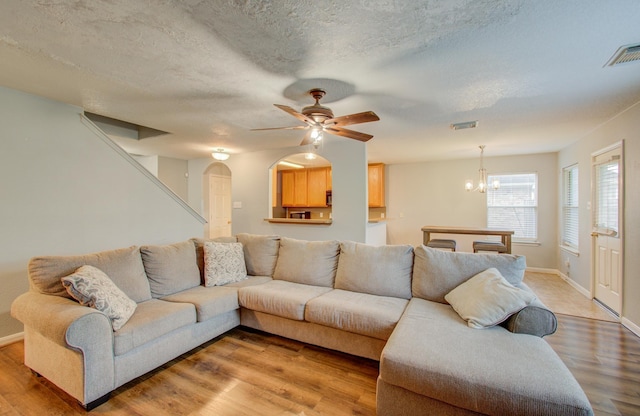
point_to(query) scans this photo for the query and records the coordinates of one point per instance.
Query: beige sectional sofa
(385, 303)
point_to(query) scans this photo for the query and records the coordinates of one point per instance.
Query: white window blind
(606, 210)
(514, 205)
(570, 207)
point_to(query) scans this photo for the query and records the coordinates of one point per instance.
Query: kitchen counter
(298, 221)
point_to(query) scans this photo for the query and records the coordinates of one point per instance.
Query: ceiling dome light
(219, 154)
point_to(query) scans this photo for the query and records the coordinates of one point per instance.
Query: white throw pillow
(223, 263)
(487, 299)
(92, 287)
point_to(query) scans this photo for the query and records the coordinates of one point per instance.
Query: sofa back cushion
(170, 268)
(307, 262)
(376, 270)
(123, 266)
(260, 253)
(199, 245)
(437, 272)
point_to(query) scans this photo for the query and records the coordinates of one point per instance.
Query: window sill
(570, 250)
(526, 243)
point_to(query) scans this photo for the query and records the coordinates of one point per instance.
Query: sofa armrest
(71, 344)
(61, 320)
(535, 319)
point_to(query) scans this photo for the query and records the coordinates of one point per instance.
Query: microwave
(305, 215)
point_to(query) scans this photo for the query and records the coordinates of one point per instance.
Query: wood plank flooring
(245, 372)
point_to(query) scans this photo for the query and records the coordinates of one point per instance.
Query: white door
(219, 206)
(607, 227)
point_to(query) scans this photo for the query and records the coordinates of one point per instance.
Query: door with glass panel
(607, 227)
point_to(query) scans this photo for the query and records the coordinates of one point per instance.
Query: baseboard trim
(630, 326)
(10, 339)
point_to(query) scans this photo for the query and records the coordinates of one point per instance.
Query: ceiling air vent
(464, 125)
(625, 55)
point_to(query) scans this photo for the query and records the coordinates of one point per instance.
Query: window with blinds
(570, 207)
(514, 205)
(606, 210)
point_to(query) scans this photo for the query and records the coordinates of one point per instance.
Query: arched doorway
(301, 187)
(217, 200)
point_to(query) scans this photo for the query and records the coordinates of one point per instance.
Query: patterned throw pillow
(92, 287)
(223, 263)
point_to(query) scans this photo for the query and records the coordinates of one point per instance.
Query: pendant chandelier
(482, 180)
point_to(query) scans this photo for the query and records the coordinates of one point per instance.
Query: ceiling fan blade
(307, 139)
(294, 113)
(339, 131)
(284, 128)
(357, 118)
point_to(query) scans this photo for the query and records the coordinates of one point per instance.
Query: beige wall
(66, 191)
(623, 127)
(432, 193)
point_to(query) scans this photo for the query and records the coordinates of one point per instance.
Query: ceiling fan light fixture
(220, 154)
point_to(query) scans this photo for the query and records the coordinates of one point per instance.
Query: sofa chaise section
(435, 364)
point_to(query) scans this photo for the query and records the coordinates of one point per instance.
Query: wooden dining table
(505, 235)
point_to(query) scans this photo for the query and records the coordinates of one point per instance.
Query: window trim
(564, 243)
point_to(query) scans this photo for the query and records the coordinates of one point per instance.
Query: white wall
(623, 127)
(250, 186)
(433, 193)
(65, 191)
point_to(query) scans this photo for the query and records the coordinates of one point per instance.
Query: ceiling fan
(319, 118)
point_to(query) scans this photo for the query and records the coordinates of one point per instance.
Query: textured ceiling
(209, 71)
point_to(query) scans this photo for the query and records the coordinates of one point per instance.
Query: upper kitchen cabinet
(317, 187)
(294, 188)
(376, 185)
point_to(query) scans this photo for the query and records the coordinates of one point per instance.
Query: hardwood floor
(245, 372)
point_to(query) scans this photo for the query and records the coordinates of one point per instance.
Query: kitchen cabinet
(317, 187)
(376, 185)
(305, 187)
(294, 188)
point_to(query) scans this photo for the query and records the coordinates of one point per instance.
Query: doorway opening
(217, 200)
(301, 187)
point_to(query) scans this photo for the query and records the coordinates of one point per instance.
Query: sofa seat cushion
(360, 313)
(209, 301)
(433, 352)
(250, 281)
(151, 320)
(280, 298)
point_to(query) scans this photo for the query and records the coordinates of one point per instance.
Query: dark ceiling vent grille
(625, 55)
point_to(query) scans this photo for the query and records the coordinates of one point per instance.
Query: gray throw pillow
(170, 268)
(307, 262)
(260, 253)
(376, 270)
